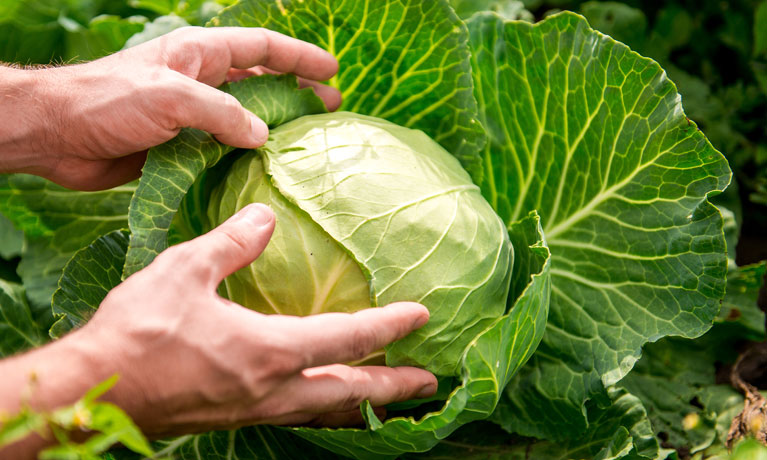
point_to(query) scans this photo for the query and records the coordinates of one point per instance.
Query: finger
(219, 113)
(221, 48)
(228, 247)
(342, 337)
(235, 75)
(339, 388)
(347, 419)
(329, 95)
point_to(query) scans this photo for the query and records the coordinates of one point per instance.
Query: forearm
(28, 119)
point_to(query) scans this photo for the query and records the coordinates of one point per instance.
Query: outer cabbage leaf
(172, 168)
(405, 61)
(620, 431)
(593, 136)
(57, 222)
(87, 279)
(251, 443)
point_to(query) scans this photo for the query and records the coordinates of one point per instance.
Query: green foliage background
(716, 54)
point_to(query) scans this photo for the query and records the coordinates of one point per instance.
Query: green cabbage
(368, 213)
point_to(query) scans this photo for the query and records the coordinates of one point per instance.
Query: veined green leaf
(172, 168)
(87, 279)
(256, 442)
(11, 239)
(18, 328)
(668, 379)
(57, 222)
(620, 431)
(593, 136)
(676, 378)
(404, 61)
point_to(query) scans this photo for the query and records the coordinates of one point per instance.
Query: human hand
(191, 361)
(99, 118)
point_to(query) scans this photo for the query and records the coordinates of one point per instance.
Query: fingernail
(256, 214)
(259, 130)
(426, 391)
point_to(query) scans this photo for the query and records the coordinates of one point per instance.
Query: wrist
(30, 120)
(55, 375)
(45, 379)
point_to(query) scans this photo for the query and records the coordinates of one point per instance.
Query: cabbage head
(368, 213)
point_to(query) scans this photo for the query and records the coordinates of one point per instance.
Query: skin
(88, 126)
(188, 359)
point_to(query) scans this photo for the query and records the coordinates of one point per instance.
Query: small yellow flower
(81, 417)
(691, 421)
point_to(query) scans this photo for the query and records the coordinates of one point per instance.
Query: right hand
(191, 361)
(88, 126)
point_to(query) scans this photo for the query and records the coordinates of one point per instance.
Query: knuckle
(280, 364)
(354, 392)
(277, 357)
(230, 104)
(261, 33)
(233, 239)
(185, 257)
(185, 34)
(363, 342)
(171, 93)
(403, 390)
(185, 49)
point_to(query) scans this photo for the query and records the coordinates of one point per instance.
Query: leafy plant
(580, 146)
(106, 423)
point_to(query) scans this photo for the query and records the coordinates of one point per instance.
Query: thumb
(230, 246)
